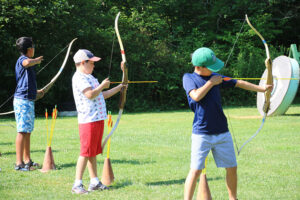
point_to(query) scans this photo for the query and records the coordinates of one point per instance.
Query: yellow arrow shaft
(265, 78)
(136, 82)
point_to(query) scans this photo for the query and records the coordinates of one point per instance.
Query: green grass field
(150, 155)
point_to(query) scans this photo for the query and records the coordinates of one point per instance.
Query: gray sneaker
(99, 186)
(79, 190)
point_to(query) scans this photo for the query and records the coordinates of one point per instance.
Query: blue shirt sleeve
(228, 84)
(188, 83)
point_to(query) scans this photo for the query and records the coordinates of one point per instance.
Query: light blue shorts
(24, 114)
(221, 146)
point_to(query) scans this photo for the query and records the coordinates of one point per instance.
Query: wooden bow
(47, 87)
(267, 102)
(124, 82)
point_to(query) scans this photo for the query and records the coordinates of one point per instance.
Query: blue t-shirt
(26, 81)
(209, 116)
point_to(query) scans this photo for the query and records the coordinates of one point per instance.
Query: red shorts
(91, 138)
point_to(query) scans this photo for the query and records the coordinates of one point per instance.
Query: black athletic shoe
(21, 167)
(31, 165)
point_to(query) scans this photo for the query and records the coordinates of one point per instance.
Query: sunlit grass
(150, 155)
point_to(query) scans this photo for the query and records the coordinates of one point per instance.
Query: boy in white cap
(90, 104)
(210, 130)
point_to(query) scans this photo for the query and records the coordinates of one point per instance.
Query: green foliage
(159, 37)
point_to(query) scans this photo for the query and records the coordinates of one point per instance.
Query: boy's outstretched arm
(109, 93)
(32, 61)
(252, 87)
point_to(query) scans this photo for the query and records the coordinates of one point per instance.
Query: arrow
(228, 78)
(136, 82)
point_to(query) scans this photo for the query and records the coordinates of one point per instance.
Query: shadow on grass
(169, 182)
(293, 115)
(215, 179)
(34, 151)
(132, 162)
(66, 165)
(118, 185)
(177, 182)
(6, 143)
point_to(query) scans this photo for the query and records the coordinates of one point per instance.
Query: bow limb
(47, 87)
(125, 70)
(268, 64)
(7, 113)
(267, 102)
(124, 81)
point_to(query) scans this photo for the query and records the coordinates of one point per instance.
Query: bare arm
(198, 94)
(93, 93)
(108, 93)
(252, 87)
(32, 61)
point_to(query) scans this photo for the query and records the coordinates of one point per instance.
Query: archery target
(285, 73)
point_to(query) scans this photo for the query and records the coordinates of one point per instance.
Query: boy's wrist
(36, 61)
(120, 86)
(210, 83)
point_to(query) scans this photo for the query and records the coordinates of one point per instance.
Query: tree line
(158, 36)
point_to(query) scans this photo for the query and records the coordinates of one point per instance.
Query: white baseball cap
(83, 54)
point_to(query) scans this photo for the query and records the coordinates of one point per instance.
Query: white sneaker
(79, 189)
(99, 186)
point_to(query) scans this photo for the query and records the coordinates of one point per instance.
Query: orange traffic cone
(107, 174)
(48, 161)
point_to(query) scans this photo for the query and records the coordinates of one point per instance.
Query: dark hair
(23, 43)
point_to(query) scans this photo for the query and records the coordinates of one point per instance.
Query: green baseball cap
(205, 57)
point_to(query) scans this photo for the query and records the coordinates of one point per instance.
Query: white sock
(77, 183)
(95, 181)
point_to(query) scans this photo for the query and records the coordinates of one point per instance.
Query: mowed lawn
(150, 156)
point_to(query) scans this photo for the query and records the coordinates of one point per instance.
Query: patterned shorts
(24, 114)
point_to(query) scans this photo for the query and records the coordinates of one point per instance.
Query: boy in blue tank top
(25, 94)
(210, 130)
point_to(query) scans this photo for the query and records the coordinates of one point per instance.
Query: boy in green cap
(210, 129)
